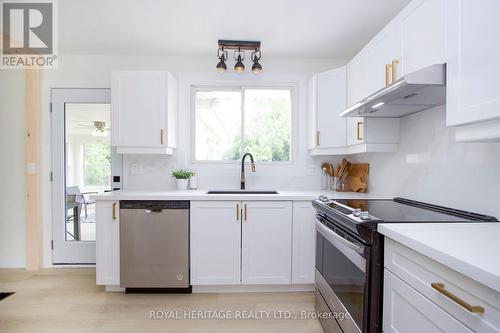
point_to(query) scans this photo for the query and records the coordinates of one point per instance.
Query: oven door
(341, 275)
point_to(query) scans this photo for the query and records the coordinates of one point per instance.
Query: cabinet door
(406, 310)
(107, 243)
(215, 229)
(303, 242)
(139, 108)
(366, 72)
(473, 69)
(382, 50)
(266, 242)
(356, 79)
(424, 36)
(331, 101)
(355, 130)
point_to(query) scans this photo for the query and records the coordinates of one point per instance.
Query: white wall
(431, 166)
(12, 175)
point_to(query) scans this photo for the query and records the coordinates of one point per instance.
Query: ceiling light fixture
(239, 48)
(256, 55)
(377, 105)
(222, 55)
(239, 66)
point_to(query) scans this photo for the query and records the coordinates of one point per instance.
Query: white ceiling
(287, 28)
(80, 117)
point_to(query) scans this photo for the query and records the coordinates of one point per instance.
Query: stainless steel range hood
(412, 93)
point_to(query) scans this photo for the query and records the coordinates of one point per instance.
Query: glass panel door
(83, 164)
(87, 165)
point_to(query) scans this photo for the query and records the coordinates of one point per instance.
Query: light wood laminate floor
(67, 300)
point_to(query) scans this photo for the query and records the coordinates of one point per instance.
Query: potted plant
(182, 179)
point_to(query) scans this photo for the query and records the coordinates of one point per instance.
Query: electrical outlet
(31, 168)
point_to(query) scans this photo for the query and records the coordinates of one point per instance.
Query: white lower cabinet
(422, 295)
(303, 242)
(107, 243)
(266, 242)
(215, 242)
(408, 311)
(247, 242)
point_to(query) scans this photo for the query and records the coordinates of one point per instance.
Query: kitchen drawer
(420, 272)
(408, 311)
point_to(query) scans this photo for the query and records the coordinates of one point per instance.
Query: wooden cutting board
(357, 177)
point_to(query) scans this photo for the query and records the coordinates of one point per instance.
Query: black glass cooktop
(404, 210)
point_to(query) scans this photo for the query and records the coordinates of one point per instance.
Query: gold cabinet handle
(114, 210)
(358, 130)
(161, 136)
(317, 138)
(394, 68)
(237, 212)
(471, 308)
(387, 76)
(245, 212)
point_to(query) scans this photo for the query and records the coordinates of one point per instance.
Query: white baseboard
(114, 289)
(265, 288)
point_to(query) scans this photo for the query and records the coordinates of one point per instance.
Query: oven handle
(356, 248)
(352, 251)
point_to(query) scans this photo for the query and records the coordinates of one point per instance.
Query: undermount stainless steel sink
(242, 192)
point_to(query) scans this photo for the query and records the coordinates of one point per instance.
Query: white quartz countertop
(202, 195)
(472, 249)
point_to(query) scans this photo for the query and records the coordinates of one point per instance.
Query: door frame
(67, 252)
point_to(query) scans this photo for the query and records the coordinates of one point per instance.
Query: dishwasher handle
(154, 206)
(154, 210)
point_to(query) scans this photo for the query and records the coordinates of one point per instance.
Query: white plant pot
(182, 184)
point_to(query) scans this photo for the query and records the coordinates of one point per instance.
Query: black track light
(240, 48)
(256, 67)
(222, 55)
(239, 67)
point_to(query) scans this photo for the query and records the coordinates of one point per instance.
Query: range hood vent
(412, 93)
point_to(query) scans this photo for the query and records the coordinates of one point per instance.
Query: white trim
(211, 85)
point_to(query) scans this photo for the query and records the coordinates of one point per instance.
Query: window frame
(292, 87)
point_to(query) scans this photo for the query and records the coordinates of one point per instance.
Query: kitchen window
(231, 121)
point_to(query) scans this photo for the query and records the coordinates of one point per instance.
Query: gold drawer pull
(359, 137)
(394, 67)
(317, 138)
(237, 212)
(114, 210)
(245, 212)
(161, 136)
(471, 308)
(387, 75)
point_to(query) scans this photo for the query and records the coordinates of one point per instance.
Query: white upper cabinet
(144, 108)
(376, 65)
(473, 69)
(266, 242)
(383, 56)
(423, 33)
(327, 99)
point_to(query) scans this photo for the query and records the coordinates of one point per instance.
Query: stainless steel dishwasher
(154, 246)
